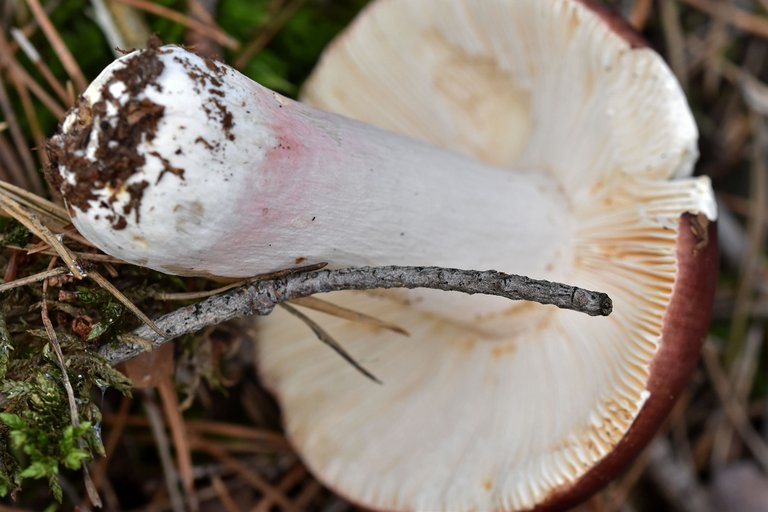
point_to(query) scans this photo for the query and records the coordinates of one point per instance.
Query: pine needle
(329, 308)
(328, 340)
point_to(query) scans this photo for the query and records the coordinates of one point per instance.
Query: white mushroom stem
(228, 178)
(341, 191)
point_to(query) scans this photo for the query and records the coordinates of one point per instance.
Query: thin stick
(488, 282)
(243, 471)
(733, 410)
(261, 297)
(32, 223)
(286, 484)
(675, 39)
(216, 429)
(34, 127)
(267, 33)
(31, 52)
(46, 99)
(731, 14)
(17, 136)
(34, 278)
(212, 32)
(169, 402)
(65, 56)
(36, 202)
(10, 168)
(641, 11)
(756, 236)
(157, 425)
(81, 256)
(74, 416)
(125, 301)
(20, 74)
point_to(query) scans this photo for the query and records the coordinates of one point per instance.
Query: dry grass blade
(312, 490)
(122, 25)
(29, 50)
(641, 11)
(157, 426)
(35, 278)
(213, 32)
(36, 202)
(756, 237)
(223, 494)
(21, 75)
(201, 428)
(736, 414)
(74, 417)
(328, 340)
(240, 431)
(732, 15)
(289, 271)
(288, 482)
(90, 488)
(53, 36)
(32, 223)
(17, 136)
(248, 475)
(329, 308)
(81, 256)
(34, 127)
(267, 33)
(10, 167)
(675, 39)
(46, 99)
(198, 295)
(125, 301)
(754, 91)
(170, 403)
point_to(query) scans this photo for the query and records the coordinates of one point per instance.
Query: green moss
(13, 232)
(37, 437)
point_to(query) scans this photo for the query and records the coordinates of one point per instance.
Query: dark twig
(262, 296)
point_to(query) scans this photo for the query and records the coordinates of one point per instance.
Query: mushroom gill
(512, 407)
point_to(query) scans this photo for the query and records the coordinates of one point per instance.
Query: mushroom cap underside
(529, 405)
(538, 419)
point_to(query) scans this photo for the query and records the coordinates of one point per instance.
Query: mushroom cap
(530, 407)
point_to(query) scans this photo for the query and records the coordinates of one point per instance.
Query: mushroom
(534, 137)
(509, 407)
